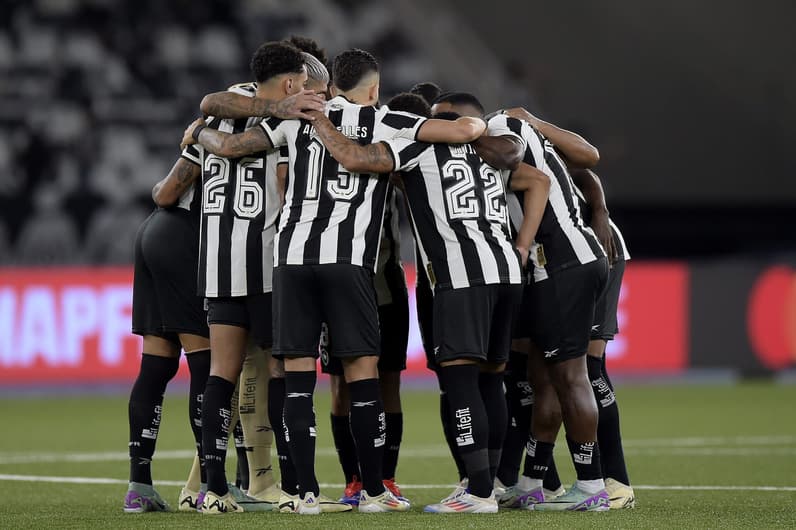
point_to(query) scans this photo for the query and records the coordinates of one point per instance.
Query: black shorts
(165, 302)
(252, 312)
(475, 322)
(605, 324)
(424, 300)
(341, 295)
(394, 331)
(557, 313)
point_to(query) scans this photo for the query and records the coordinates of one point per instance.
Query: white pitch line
(100, 480)
(418, 452)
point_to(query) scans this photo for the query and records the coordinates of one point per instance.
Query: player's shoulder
(246, 89)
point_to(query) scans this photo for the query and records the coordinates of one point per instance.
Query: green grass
(742, 435)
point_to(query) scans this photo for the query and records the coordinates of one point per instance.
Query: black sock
(491, 388)
(450, 437)
(395, 432)
(345, 446)
(605, 374)
(143, 411)
(368, 428)
(216, 414)
(608, 434)
(242, 469)
(299, 418)
(586, 458)
(199, 365)
(538, 456)
(519, 403)
(276, 407)
(469, 424)
(551, 479)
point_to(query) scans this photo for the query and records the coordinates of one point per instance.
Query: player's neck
(269, 91)
(360, 96)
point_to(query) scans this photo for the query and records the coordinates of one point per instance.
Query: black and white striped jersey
(457, 206)
(389, 269)
(240, 205)
(331, 215)
(191, 199)
(619, 239)
(563, 239)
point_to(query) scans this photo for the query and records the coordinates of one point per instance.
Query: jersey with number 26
(240, 205)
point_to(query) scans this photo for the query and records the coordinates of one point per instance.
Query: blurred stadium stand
(96, 93)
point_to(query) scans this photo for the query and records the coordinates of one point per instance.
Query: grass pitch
(699, 457)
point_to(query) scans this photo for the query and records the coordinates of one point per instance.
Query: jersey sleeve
(193, 153)
(502, 125)
(276, 131)
(395, 124)
(405, 153)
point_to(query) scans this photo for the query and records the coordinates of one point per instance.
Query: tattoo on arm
(227, 145)
(374, 158)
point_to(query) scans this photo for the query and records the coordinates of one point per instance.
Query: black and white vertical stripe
(563, 239)
(240, 205)
(459, 249)
(331, 215)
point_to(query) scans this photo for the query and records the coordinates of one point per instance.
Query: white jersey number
(248, 196)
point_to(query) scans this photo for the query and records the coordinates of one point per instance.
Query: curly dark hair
(427, 90)
(351, 66)
(308, 45)
(408, 102)
(275, 58)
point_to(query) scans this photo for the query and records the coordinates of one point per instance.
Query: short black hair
(275, 58)
(449, 116)
(460, 98)
(427, 90)
(408, 102)
(351, 66)
(308, 45)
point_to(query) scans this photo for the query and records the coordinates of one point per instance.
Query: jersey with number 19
(332, 215)
(240, 205)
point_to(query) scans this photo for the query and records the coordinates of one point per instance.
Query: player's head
(408, 102)
(355, 73)
(317, 74)
(308, 45)
(279, 66)
(315, 60)
(427, 90)
(448, 115)
(462, 103)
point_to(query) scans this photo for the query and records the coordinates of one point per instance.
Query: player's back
(332, 215)
(458, 210)
(562, 239)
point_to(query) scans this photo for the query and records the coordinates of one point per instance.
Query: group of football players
(286, 200)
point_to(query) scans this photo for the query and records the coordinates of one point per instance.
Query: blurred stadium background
(691, 109)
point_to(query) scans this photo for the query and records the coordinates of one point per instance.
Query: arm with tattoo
(169, 190)
(372, 158)
(233, 105)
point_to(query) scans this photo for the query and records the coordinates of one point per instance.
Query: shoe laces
(392, 486)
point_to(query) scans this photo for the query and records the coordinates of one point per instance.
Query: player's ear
(289, 85)
(373, 93)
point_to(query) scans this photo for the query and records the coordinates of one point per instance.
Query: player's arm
(536, 187)
(575, 148)
(232, 105)
(590, 185)
(460, 131)
(169, 190)
(501, 152)
(281, 181)
(252, 140)
(371, 158)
